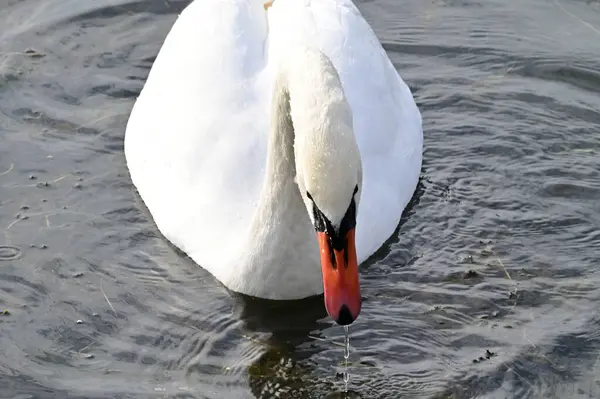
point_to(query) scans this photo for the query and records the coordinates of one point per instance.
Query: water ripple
(487, 289)
(9, 252)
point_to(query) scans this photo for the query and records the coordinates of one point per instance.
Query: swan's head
(329, 176)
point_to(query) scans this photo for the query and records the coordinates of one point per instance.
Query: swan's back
(197, 137)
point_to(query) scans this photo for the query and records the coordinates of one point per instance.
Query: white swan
(257, 127)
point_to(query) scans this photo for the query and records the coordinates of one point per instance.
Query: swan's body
(218, 96)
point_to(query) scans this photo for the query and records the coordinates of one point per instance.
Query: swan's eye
(349, 219)
(355, 190)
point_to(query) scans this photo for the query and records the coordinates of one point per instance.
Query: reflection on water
(95, 304)
(346, 356)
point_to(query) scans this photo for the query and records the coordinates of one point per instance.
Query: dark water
(99, 306)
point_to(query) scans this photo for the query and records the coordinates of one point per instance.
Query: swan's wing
(197, 136)
(387, 121)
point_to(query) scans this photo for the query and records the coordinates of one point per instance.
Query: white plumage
(196, 142)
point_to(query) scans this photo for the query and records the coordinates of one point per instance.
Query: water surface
(100, 306)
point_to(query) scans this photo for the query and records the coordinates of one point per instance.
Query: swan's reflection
(284, 369)
(288, 322)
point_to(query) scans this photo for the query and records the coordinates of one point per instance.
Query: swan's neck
(282, 250)
(309, 114)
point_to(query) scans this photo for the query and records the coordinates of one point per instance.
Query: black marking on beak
(337, 239)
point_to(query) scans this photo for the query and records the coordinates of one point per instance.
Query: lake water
(98, 305)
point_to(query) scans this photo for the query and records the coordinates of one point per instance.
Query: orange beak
(340, 278)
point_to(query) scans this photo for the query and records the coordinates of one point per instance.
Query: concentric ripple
(9, 252)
